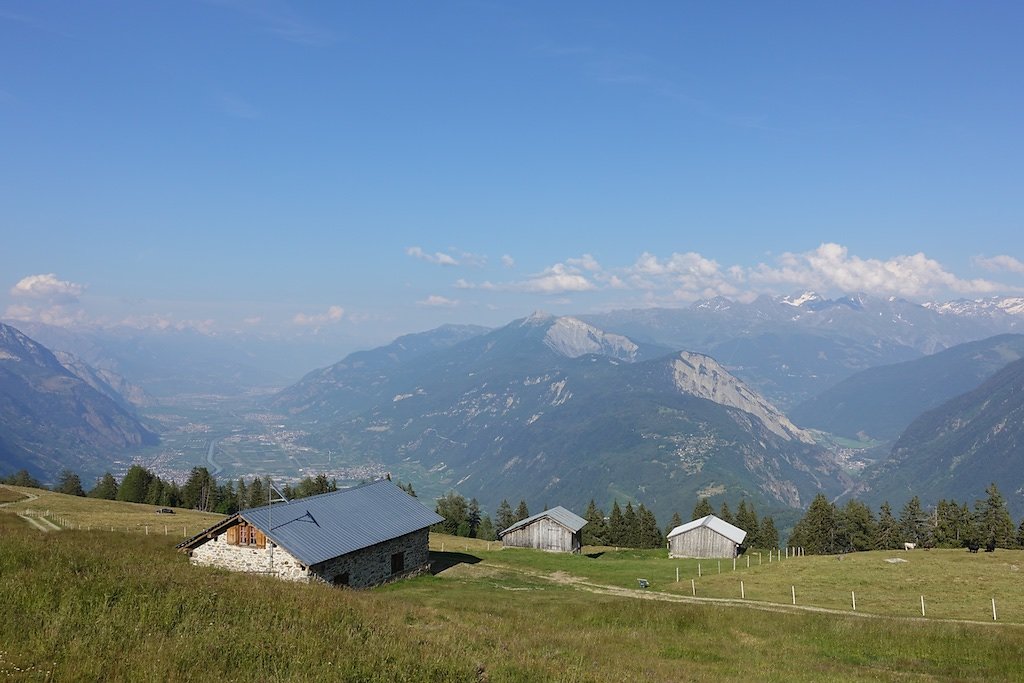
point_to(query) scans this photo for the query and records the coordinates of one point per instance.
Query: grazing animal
(973, 546)
(909, 546)
(990, 546)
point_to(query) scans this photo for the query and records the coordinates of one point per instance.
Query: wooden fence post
(743, 594)
(693, 588)
(922, 605)
(993, 609)
(793, 590)
(853, 598)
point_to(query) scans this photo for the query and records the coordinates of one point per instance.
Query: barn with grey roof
(357, 537)
(707, 537)
(557, 530)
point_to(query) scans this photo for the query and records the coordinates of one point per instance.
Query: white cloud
(1000, 263)
(254, 320)
(332, 315)
(462, 283)
(585, 262)
(438, 258)
(557, 279)
(48, 287)
(438, 301)
(508, 261)
(831, 267)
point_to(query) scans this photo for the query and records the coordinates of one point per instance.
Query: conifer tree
(505, 517)
(69, 484)
(106, 488)
(816, 531)
(912, 523)
(455, 510)
(155, 492)
(617, 532)
(242, 492)
(858, 528)
(650, 535)
(887, 536)
(676, 521)
(746, 519)
(258, 495)
(486, 532)
(631, 525)
(522, 512)
(473, 518)
(768, 537)
(135, 484)
(703, 509)
(595, 532)
(725, 514)
(994, 526)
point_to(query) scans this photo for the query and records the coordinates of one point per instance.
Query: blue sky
(362, 170)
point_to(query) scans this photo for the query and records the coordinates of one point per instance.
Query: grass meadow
(96, 605)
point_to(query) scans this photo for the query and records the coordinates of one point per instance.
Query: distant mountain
(957, 449)
(107, 382)
(162, 362)
(51, 419)
(879, 403)
(792, 348)
(558, 411)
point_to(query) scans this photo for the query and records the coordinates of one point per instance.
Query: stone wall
(372, 566)
(366, 567)
(271, 560)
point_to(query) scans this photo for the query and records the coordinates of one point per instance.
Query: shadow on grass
(440, 561)
(594, 556)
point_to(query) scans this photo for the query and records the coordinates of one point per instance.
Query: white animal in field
(909, 546)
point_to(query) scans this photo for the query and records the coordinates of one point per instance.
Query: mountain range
(553, 409)
(53, 419)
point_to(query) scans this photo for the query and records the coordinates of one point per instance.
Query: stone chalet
(357, 537)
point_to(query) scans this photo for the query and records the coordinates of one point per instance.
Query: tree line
(199, 492)
(828, 529)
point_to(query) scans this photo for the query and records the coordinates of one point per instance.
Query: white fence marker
(793, 590)
(693, 588)
(922, 605)
(677, 574)
(853, 598)
(993, 609)
(743, 594)
(698, 570)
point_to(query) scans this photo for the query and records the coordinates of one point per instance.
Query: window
(245, 534)
(397, 563)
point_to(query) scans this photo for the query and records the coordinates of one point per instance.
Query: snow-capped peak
(802, 299)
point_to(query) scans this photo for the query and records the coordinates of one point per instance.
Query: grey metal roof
(559, 514)
(322, 527)
(733, 533)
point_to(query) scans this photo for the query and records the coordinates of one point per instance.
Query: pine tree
(631, 525)
(486, 530)
(650, 535)
(473, 518)
(912, 522)
(242, 492)
(258, 495)
(522, 512)
(155, 491)
(816, 532)
(746, 519)
(106, 488)
(134, 485)
(595, 532)
(617, 532)
(858, 526)
(887, 536)
(995, 528)
(69, 484)
(505, 517)
(769, 535)
(676, 521)
(703, 509)
(725, 514)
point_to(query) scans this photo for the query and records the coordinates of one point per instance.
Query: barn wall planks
(544, 534)
(701, 542)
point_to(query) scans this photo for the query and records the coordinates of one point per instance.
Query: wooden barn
(357, 537)
(707, 537)
(556, 530)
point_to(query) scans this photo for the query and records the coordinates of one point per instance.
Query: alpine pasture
(126, 606)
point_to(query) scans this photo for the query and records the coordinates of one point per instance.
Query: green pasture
(90, 605)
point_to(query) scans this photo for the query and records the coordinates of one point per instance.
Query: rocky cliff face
(703, 376)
